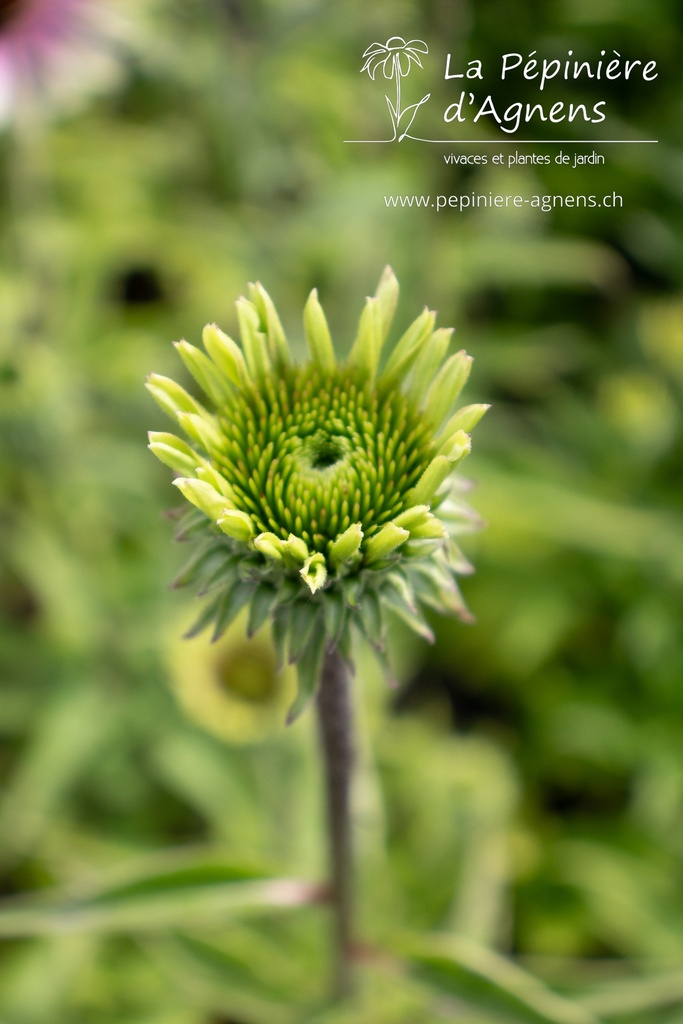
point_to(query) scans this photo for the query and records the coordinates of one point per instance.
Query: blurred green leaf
(166, 895)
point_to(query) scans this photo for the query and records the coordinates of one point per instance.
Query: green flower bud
(324, 485)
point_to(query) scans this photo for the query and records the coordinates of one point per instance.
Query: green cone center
(310, 452)
(326, 449)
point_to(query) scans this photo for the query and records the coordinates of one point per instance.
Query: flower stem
(336, 726)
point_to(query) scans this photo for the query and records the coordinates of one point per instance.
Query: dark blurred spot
(124, 810)
(18, 603)
(9, 9)
(140, 286)
(646, 276)
(27, 876)
(227, 1020)
(471, 705)
(248, 671)
(8, 373)
(594, 797)
(236, 13)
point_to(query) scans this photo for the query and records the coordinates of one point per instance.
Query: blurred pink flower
(52, 50)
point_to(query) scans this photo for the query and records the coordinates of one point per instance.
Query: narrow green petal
(203, 495)
(304, 616)
(456, 447)
(427, 363)
(384, 542)
(399, 583)
(387, 299)
(335, 615)
(430, 481)
(431, 529)
(271, 325)
(412, 517)
(309, 667)
(366, 348)
(173, 452)
(346, 544)
(171, 397)
(446, 387)
(318, 338)
(410, 616)
(314, 572)
(464, 419)
(213, 477)
(201, 428)
(237, 525)
(253, 341)
(226, 354)
(410, 344)
(205, 372)
(371, 619)
(260, 607)
(230, 606)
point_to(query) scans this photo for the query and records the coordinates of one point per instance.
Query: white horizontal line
(517, 142)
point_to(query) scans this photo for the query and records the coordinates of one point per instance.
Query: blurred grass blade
(489, 981)
(637, 995)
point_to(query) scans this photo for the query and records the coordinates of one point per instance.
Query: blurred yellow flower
(231, 688)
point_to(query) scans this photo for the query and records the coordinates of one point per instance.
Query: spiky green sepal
(323, 492)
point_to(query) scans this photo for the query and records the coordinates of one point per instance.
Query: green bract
(322, 492)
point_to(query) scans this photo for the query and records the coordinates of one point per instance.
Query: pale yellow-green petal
(253, 340)
(318, 338)
(383, 543)
(387, 299)
(237, 525)
(173, 452)
(210, 379)
(226, 354)
(274, 331)
(365, 351)
(465, 419)
(346, 544)
(203, 495)
(447, 385)
(314, 572)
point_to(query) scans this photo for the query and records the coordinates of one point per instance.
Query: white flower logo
(395, 58)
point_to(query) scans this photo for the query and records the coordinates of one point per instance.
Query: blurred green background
(522, 789)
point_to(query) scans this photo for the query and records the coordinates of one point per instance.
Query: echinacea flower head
(394, 57)
(53, 50)
(322, 493)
